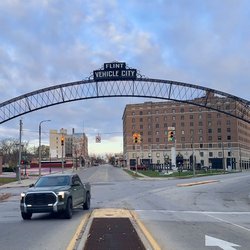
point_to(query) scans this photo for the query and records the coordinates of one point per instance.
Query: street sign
(98, 139)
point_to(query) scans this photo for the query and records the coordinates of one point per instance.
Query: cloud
(44, 43)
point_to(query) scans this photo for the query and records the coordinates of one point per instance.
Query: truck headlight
(22, 197)
(61, 195)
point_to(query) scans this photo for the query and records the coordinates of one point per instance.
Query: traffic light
(62, 140)
(136, 138)
(171, 135)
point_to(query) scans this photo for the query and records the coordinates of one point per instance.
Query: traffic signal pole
(62, 144)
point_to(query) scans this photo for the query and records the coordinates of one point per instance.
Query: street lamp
(40, 130)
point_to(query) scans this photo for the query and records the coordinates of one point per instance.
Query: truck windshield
(48, 181)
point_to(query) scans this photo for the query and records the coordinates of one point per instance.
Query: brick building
(75, 145)
(212, 139)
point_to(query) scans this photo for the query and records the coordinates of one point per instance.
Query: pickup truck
(57, 193)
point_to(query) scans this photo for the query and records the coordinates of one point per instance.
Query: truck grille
(40, 199)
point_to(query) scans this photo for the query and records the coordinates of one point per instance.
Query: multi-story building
(210, 138)
(75, 145)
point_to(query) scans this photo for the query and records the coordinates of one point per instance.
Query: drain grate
(113, 234)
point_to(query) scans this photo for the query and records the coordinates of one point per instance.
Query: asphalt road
(204, 216)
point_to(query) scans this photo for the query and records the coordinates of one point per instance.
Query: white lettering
(114, 65)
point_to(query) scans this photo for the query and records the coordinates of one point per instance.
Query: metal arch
(141, 87)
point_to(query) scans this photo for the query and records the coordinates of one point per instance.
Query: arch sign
(116, 79)
(115, 71)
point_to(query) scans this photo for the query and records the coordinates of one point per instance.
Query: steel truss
(141, 87)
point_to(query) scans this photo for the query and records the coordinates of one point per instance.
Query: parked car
(58, 193)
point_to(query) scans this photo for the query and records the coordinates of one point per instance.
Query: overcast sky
(48, 42)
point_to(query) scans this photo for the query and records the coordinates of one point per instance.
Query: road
(208, 216)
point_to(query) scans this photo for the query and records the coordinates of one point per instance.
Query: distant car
(58, 193)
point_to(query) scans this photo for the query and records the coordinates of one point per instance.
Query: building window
(149, 139)
(182, 110)
(200, 124)
(218, 115)
(200, 131)
(210, 145)
(173, 124)
(208, 115)
(141, 126)
(219, 154)
(157, 132)
(228, 122)
(165, 118)
(228, 130)
(182, 124)
(190, 109)
(133, 127)
(149, 132)
(209, 123)
(229, 137)
(133, 113)
(191, 131)
(210, 154)
(182, 117)
(173, 118)
(173, 111)
(165, 125)
(182, 139)
(157, 125)
(201, 145)
(141, 113)
(200, 138)
(219, 130)
(219, 137)
(191, 117)
(219, 122)
(149, 126)
(201, 154)
(200, 116)
(210, 131)
(182, 132)
(157, 119)
(133, 120)
(141, 119)
(191, 124)
(157, 139)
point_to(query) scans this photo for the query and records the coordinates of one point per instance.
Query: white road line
(228, 222)
(208, 213)
(193, 212)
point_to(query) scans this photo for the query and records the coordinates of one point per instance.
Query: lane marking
(196, 183)
(74, 239)
(228, 222)
(208, 213)
(214, 242)
(194, 212)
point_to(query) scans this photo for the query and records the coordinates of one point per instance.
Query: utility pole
(20, 153)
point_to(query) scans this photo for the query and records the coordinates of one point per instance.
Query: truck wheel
(86, 204)
(26, 216)
(68, 212)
